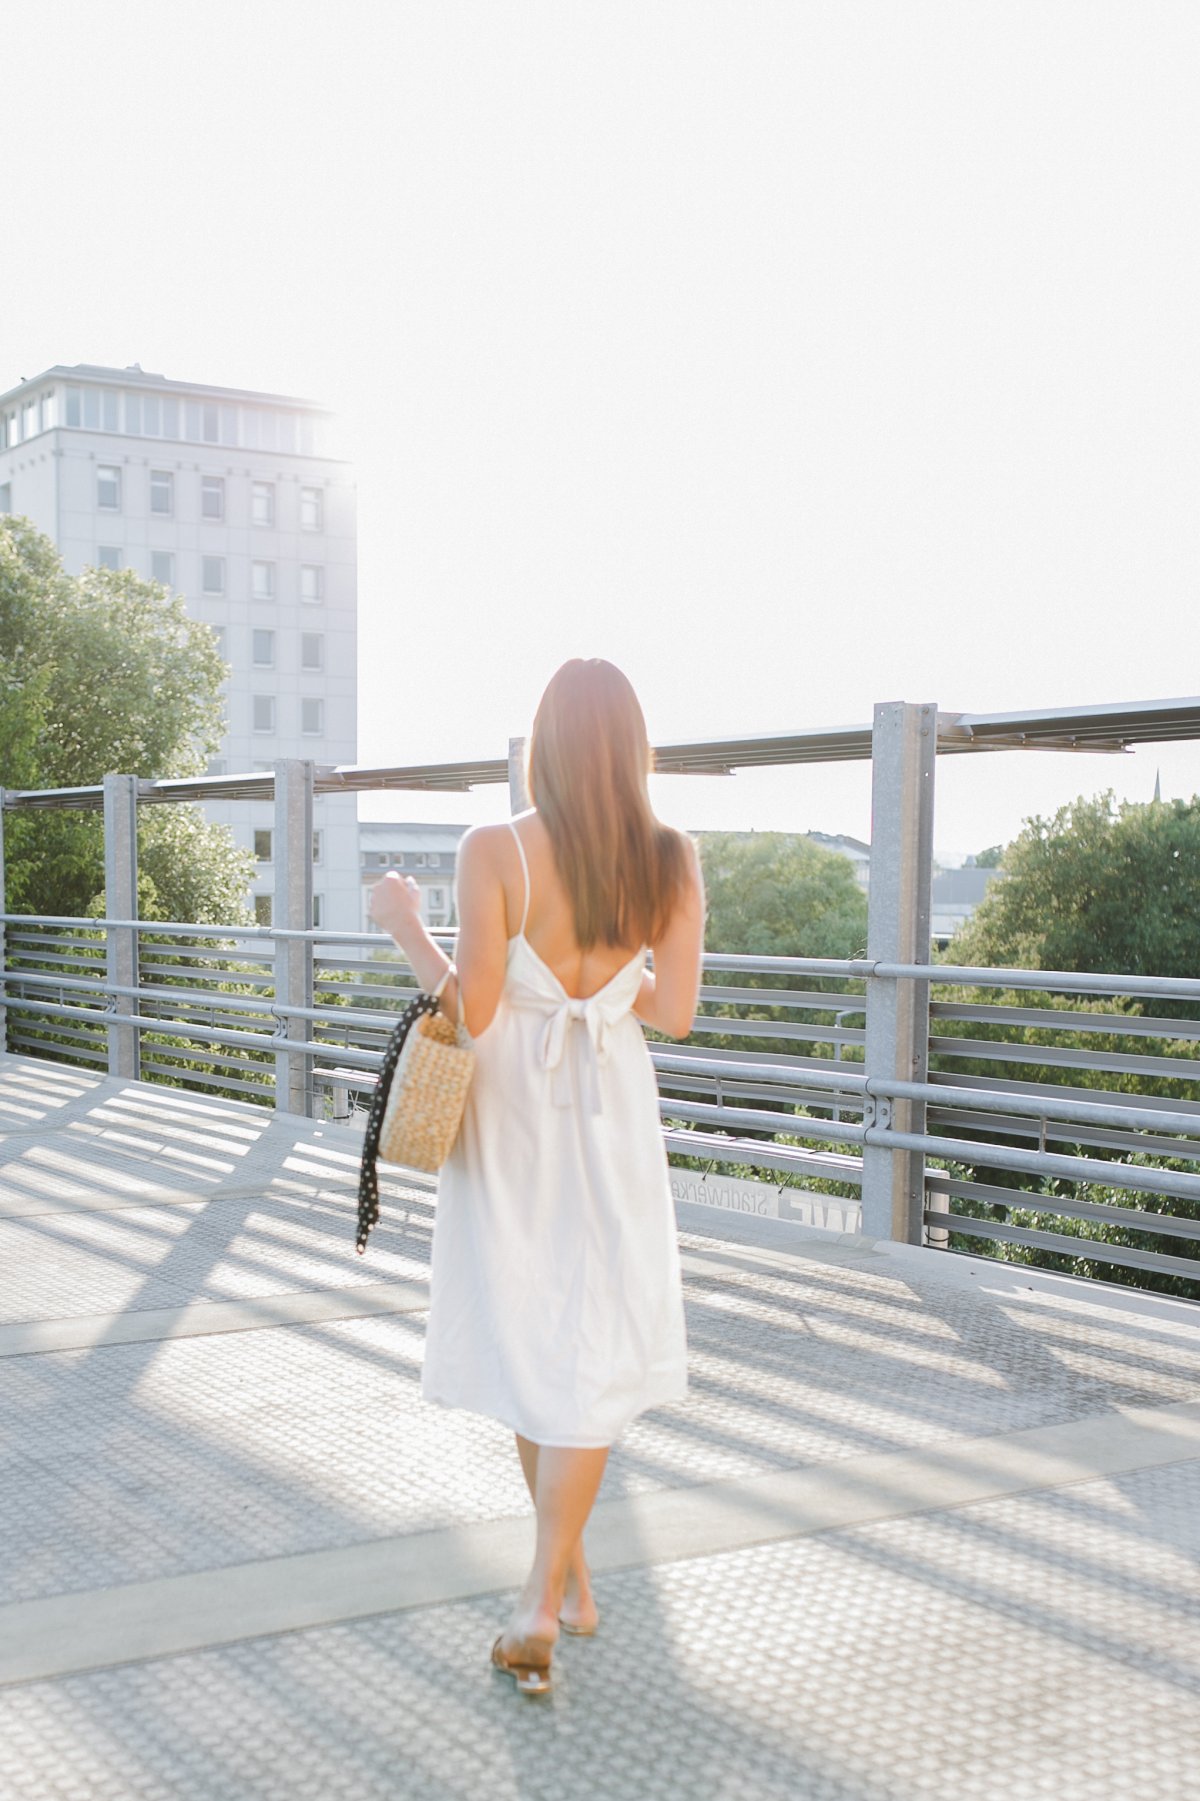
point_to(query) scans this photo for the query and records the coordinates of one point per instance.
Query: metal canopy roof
(1114, 728)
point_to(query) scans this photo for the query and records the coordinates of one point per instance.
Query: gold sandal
(530, 1678)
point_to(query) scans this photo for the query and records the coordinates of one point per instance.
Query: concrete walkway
(926, 1526)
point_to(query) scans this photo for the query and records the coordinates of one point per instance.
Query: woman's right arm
(667, 1001)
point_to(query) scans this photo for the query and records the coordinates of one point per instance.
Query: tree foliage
(98, 673)
(774, 895)
(1103, 885)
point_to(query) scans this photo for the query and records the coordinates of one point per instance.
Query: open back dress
(556, 1303)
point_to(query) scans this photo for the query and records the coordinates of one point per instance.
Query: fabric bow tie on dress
(593, 1042)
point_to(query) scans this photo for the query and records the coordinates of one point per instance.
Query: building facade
(239, 502)
(428, 853)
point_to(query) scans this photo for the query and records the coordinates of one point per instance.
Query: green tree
(107, 672)
(1108, 887)
(1102, 886)
(774, 895)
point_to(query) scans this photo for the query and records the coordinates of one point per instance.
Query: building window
(29, 419)
(6, 497)
(437, 901)
(133, 415)
(262, 909)
(151, 416)
(312, 650)
(316, 847)
(162, 491)
(108, 557)
(262, 581)
(264, 712)
(312, 510)
(263, 649)
(162, 568)
(170, 418)
(111, 409)
(262, 844)
(435, 859)
(262, 503)
(213, 575)
(312, 716)
(216, 766)
(49, 405)
(74, 406)
(218, 632)
(318, 911)
(312, 582)
(210, 421)
(212, 497)
(108, 487)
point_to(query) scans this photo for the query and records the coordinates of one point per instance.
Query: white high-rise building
(239, 502)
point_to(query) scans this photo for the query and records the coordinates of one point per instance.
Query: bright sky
(795, 356)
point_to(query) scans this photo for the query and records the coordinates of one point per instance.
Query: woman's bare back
(550, 926)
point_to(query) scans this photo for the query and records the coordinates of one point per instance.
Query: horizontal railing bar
(1041, 1163)
(1096, 1113)
(707, 1025)
(808, 1000)
(1010, 1125)
(1136, 1218)
(800, 1124)
(1054, 1019)
(674, 1083)
(1053, 1056)
(1052, 980)
(788, 1159)
(1098, 1250)
(835, 968)
(849, 1082)
(1058, 1090)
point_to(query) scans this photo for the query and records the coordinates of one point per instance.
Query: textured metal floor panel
(1044, 1645)
(1041, 1649)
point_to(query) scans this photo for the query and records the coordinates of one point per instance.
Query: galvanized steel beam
(898, 931)
(121, 900)
(292, 914)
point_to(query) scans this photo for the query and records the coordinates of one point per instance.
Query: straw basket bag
(419, 1098)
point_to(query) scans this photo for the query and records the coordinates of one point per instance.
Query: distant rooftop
(133, 375)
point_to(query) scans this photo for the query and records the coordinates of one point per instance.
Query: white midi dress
(556, 1302)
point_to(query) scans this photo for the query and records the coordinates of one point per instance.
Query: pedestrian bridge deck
(925, 1526)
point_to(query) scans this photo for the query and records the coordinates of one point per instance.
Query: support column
(518, 793)
(121, 902)
(292, 912)
(904, 749)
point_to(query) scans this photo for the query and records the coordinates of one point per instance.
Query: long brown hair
(589, 758)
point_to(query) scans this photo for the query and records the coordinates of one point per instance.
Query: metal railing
(955, 1107)
(771, 1080)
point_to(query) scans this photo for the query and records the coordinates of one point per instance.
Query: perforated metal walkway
(926, 1526)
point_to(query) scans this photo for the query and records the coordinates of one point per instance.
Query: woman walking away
(556, 1304)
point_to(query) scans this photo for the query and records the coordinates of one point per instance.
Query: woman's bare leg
(579, 1608)
(566, 1482)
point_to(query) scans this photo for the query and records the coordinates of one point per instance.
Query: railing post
(292, 911)
(3, 947)
(121, 902)
(518, 793)
(904, 750)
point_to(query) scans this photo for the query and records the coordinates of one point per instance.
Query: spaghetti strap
(525, 867)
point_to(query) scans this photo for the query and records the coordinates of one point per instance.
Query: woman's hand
(395, 904)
